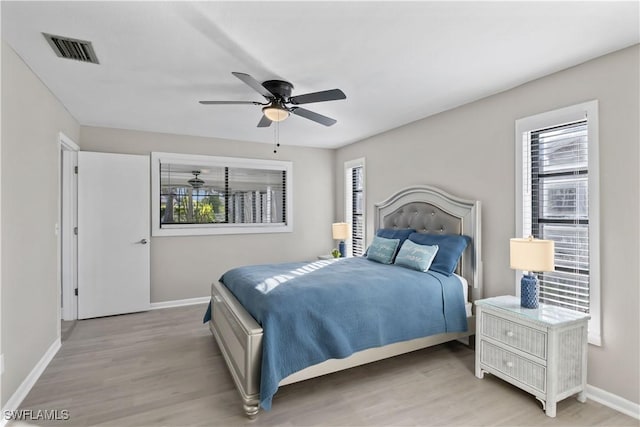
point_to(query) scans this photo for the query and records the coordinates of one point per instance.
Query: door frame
(68, 220)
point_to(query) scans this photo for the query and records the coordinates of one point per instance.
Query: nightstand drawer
(523, 338)
(516, 367)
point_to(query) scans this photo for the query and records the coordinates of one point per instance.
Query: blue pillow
(382, 250)
(450, 248)
(395, 233)
(415, 256)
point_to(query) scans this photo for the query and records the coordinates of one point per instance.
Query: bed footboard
(239, 337)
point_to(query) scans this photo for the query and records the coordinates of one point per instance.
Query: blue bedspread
(312, 312)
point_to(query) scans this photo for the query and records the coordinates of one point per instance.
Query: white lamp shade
(532, 254)
(340, 230)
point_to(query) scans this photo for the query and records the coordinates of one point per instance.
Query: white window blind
(357, 211)
(224, 195)
(255, 196)
(355, 183)
(557, 208)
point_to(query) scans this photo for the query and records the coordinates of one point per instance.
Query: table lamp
(531, 255)
(341, 232)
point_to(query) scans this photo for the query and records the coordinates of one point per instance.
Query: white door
(113, 234)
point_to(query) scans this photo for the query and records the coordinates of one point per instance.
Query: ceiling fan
(280, 103)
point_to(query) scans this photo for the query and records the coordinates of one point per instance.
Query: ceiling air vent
(69, 48)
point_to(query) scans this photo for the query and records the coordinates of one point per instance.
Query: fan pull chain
(276, 137)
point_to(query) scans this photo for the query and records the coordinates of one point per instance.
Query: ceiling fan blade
(264, 122)
(318, 118)
(254, 84)
(325, 95)
(228, 102)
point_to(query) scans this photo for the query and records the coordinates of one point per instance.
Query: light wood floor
(164, 368)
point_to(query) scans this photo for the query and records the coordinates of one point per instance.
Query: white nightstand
(543, 351)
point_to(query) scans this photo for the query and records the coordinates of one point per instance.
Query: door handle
(143, 241)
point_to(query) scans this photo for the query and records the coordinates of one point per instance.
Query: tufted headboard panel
(424, 218)
(430, 210)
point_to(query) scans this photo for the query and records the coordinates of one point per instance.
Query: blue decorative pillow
(450, 248)
(382, 250)
(415, 256)
(395, 233)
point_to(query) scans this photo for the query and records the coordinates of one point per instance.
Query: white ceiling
(397, 62)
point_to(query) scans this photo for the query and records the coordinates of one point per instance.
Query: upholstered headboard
(430, 210)
(424, 218)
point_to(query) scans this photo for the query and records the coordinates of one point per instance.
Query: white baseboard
(613, 401)
(16, 399)
(179, 302)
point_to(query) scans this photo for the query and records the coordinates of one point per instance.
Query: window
(354, 205)
(219, 195)
(557, 199)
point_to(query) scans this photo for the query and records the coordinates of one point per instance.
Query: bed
(241, 337)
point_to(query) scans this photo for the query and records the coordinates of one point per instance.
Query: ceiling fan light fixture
(275, 113)
(278, 96)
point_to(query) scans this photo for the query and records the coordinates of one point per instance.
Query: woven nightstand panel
(518, 336)
(514, 366)
(570, 357)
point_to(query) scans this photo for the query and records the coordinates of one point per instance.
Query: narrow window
(354, 205)
(557, 200)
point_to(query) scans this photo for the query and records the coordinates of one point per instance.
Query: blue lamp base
(342, 248)
(529, 291)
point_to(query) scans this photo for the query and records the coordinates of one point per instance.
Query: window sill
(595, 340)
(208, 230)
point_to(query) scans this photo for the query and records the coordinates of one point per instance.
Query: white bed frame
(424, 208)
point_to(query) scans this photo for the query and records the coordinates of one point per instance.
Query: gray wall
(31, 120)
(184, 267)
(469, 151)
